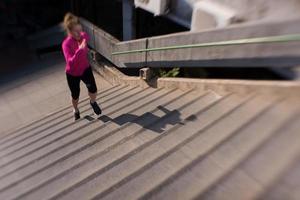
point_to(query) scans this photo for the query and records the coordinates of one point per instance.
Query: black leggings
(74, 83)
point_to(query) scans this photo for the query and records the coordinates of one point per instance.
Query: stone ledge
(288, 88)
(221, 86)
(115, 77)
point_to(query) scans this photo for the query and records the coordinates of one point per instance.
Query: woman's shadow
(157, 124)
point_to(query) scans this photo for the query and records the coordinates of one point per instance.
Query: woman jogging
(77, 65)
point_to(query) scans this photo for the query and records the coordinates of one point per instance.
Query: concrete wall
(100, 40)
(258, 54)
(195, 13)
(130, 60)
(246, 55)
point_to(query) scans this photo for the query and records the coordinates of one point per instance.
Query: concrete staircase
(35, 89)
(158, 143)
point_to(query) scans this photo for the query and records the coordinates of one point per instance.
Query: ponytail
(70, 20)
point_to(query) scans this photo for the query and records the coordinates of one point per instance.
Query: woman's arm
(85, 36)
(71, 56)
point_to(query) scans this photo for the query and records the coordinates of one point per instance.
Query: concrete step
(86, 138)
(40, 92)
(210, 138)
(147, 153)
(116, 140)
(46, 120)
(156, 144)
(61, 122)
(164, 99)
(252, 175)
(116, 107)
(286, 186)
(205, 171)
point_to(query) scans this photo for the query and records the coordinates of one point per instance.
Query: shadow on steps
(173, 119)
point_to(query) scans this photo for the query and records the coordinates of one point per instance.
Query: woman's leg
(93, 97)
(75, 104)
(74, 86)
(89, 80)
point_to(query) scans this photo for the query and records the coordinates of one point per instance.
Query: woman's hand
(83, 44)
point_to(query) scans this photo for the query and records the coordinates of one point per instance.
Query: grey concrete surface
(35, 90)
(157, 144)
(276, 54)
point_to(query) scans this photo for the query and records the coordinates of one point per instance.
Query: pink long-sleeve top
(76, 58)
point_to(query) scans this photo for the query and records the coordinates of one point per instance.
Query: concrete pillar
(146, 74)
(129, 30)
(208, 15)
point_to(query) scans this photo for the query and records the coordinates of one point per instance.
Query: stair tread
(91, 138)
(286, 186)
(198, 147)
(209, 170)
(15, 135)
(105, 143)
(103, 85)
(260, 169)
(151, 143)
(27, 156)
(136, 161)
(66, 119)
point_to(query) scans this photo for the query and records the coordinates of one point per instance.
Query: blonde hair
(70, 21)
